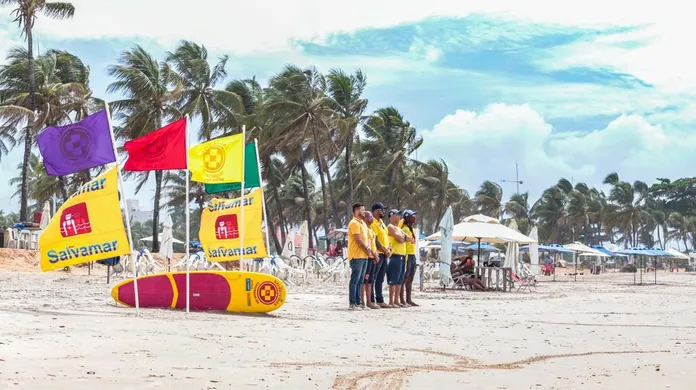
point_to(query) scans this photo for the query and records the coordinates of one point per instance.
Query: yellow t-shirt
(410, 246)
(355, 251)
(381, 233)
(373, 244)
(398, 248)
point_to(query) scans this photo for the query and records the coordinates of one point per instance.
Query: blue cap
(378, 206)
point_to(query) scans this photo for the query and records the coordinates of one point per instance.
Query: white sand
(63, 331)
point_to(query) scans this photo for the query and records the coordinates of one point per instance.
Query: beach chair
(34, 241)
(12, 239)
(288, 272)
(525, 283)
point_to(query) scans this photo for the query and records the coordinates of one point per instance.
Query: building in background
(135, 213)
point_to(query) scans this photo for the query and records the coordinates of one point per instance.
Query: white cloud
(486, 146)
(268, 25)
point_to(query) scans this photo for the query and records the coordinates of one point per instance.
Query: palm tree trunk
(319, 161)
(28, 133)
(349, 171)
(63, 188)
(276, 195)
(334, 205)
(305, 191)
(158, 193)
(271, 231)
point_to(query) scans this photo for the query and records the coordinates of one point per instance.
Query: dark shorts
(370, 273)
(395, 270)
(410, 267)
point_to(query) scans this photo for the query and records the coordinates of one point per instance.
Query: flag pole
(263, 198)
(187, 247)
(241, 230)
(125, 211)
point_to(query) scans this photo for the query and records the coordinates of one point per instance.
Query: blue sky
(562, 90)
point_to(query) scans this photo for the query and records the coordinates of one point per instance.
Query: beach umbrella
(446, 227)
(304, 244)
(45, 216)
(480, 227)
(149, 238)
(167, 247)
(676, 254)
(512, 251)
(484, 247)
(534, 251)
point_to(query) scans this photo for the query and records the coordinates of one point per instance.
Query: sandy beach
(63, 331)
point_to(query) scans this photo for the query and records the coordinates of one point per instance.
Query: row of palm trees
(321, 148)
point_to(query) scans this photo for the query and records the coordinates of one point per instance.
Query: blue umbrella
(484, 247)
(549, 248)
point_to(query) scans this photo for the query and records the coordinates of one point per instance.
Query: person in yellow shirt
(359, 252)
(408, 227)
(383, 253)
(367, 298)
(395, 267)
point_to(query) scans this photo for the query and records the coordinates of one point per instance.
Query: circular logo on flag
(214, 158)
(75, 143)
(156, 148)
(267, 293)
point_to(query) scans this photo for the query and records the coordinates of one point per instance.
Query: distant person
(383, 251)
(410, 264)
(358, 253)
(367, 298)
(395, 267)
(339, 248)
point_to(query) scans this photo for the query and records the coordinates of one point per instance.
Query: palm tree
(347, 100)
(489, 199)
(626, 210)
(25, 15)
(59, 95)
(217, 108)
(151, 91)
(389, 142)
(43, 187)
(518, 208)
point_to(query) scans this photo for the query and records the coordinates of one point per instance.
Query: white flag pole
(241, 213)
(263, 198)
(187, 248)
(125, 212)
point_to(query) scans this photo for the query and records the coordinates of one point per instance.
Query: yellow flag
(220, 228)
(88, 227)
(218, 161)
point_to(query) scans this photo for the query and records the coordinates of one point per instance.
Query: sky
(574, 90)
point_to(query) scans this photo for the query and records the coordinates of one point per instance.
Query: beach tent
(645, 252)
(484, 247)
(581, 249)
(551, 248)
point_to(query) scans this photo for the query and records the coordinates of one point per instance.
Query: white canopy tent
(676, 254)
(480, 227)
(581, 249)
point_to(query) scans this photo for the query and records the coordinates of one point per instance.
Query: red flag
(163, 149)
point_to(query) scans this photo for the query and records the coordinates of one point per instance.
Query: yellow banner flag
(218, 161)
(220, 228)
(87, 227)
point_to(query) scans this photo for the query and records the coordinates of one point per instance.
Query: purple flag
(78, 146)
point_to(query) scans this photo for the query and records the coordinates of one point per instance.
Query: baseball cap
(409, 213)
(378, 206)
(393, 212)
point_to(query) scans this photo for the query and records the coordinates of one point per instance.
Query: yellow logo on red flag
(221, 226)
(88, 227)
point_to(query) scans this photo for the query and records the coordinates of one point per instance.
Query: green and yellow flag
(251, 174)
(218, 161)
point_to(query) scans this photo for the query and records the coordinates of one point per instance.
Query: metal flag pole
(187, 248)
(263, 198)
(241, 213)
(125, 212)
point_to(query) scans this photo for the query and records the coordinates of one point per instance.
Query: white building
(135, 213)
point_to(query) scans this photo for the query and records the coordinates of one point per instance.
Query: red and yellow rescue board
(233, 291)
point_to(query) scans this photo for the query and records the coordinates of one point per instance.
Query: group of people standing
(376, 251)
